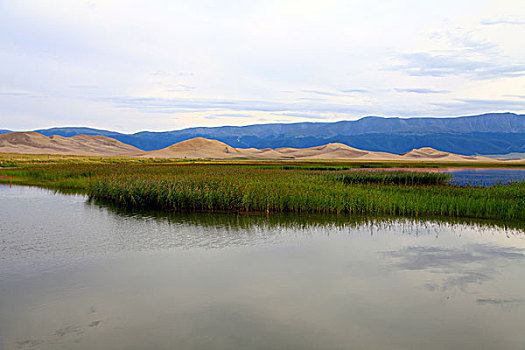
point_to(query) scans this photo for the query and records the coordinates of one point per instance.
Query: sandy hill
(330, 150)
(81, 145)
(265, 153)
(202, 148)
(428, 153)
(198, 147)
(334, 151)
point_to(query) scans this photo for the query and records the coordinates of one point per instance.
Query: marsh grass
(230, 188)
(411, 178)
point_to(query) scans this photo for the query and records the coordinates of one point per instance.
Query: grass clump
(410, 178)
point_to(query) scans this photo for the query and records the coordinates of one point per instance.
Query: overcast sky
(163, 65)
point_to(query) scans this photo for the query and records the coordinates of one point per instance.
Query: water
(78, 275)
(486, 176)
(471, 176)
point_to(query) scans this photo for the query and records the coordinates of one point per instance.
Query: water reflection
(456, 268)
(243, 221)
(492, 301)
(80, 275)
(65, 228)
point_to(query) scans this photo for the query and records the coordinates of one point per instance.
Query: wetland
(108, 254)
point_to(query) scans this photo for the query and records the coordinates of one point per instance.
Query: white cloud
(132, 65)
(507, 20)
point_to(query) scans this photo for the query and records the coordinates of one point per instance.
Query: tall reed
(219, 187)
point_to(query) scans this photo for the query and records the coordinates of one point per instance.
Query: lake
(485, 176)
(76, 274)
(469, 176)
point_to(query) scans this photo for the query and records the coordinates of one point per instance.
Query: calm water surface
(78, 275)
(486, 176)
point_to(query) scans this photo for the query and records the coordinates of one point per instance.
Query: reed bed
(230, 188)
(411, 178)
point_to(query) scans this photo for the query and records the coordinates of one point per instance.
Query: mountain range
(486, 134)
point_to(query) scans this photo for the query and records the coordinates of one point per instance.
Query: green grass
(269, 191)
(331, 165)
(411, 178)
(184, 186)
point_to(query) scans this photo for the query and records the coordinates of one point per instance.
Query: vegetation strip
(216, 187)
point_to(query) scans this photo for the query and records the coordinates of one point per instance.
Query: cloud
(314, 99)
(14, 93)
(228, 115)
(234, 115)
(464, 40)
(174, 105)
(480, 104)
(351, 91)
(453, 64)
(517, 96)
(507, 20)
(181, 87)
(203, 60)
(19, 93)
(331, 93)
(300, 115)
(81, 86)
(422, 91)
(319, 92)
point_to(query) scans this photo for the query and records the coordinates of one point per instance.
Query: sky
(166, 65)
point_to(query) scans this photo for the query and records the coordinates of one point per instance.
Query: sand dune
(428, 153)
(328, 151)
(201, 148)
(265, 153)
(198, 147)
(335, 151)
(80, 145)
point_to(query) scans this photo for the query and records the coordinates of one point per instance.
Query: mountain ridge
(489, 133)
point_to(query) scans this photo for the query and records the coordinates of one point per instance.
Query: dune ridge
(426, 153)
(202, 148)
(212, 149)
(78, 145)
(198, 147)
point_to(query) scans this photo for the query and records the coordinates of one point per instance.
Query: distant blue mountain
(4, 131)
(493, 133)
(72, 131)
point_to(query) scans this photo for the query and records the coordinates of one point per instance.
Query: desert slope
(202, 148)
(431, 154)
(335, 151)
(79, 145)
(198, 147)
